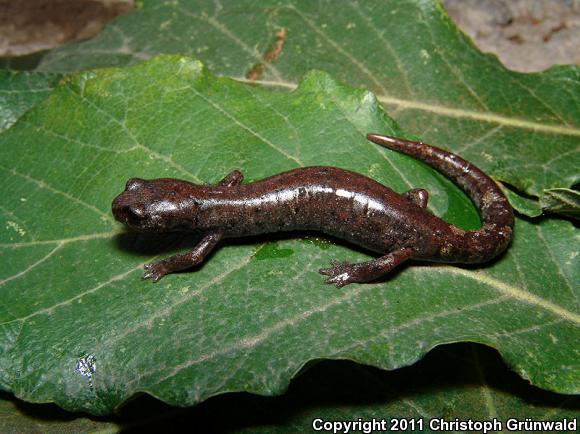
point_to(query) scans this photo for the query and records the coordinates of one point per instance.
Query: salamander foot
(155, 271)
(343, 273)
(340, 273)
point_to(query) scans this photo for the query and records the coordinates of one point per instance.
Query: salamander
(334, 201)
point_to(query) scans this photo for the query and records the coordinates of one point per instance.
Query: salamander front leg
(343, 273)
(156, 270)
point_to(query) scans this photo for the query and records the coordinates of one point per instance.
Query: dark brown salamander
(330, 200)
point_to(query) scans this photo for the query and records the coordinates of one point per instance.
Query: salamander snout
(127, 213)
(129, 206)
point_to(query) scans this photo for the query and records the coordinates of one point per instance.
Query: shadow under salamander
(160, 246)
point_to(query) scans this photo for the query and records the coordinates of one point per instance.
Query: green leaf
(562, 201)
(21, 90)
(521, 128)
(462, 381)
(79, 328)
(525, 205)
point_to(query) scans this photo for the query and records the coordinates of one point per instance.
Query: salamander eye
(134, 183)
(133, 215)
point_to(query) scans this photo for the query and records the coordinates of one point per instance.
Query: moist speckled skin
(330, 200)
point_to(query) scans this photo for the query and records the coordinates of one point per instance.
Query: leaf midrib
(383, 96)
(408, 104)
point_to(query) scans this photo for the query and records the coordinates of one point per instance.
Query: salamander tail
(494, 209)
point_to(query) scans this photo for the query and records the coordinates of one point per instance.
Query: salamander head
(156, 205)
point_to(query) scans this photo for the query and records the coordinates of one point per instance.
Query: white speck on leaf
(487, 156)
(15, 226)
(86, 366)
(188, 66)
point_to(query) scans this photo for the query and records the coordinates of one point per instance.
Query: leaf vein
(442, 110)
(252, 341)
(224, 30)
(479, 140)
(84, 237)
(130, 134)
(386, 44)
(509, 290)
(148, 322)
(31, 266)
(340, 50)
(557, 265)
(244, 126)
(487, 396)
(44, 185)
(50, 309)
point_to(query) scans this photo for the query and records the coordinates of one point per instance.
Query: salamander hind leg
(343, 273)
(418, 196)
